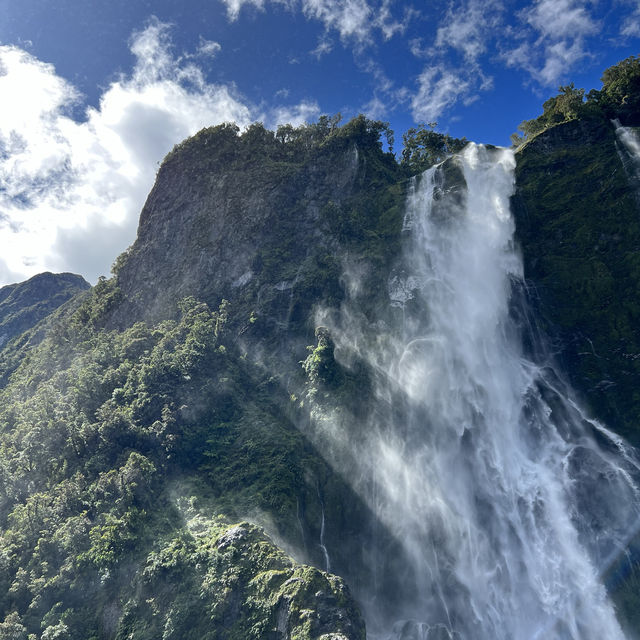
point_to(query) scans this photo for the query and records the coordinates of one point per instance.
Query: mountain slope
(24, 304)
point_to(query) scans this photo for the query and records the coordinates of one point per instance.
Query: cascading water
(630, 157)
(325, 553)
(628, 138)
(505, 499)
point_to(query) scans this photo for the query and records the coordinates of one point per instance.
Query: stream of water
(507, 501)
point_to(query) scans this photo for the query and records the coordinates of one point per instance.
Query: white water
(504, 505)
(628, 138)
(325, 553)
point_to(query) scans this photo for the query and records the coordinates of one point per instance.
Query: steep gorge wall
(280, 236)
(578, 222)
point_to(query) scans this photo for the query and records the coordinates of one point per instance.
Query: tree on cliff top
(619, 98)
(567, 105)
(620, 93)
(424, 147)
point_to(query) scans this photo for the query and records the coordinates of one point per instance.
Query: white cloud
(417, 48)
(631, 22)
(376, 108)
(356, 21)
(439, 88)
(386, 96)
(325, 45)
(306, 111)
(553, 39)
(71, 192)
(547, 39)
(351, 18)
(632, 28)
(235, 6)
(388, 25)
(560, 19)
(469, 27)
(208, 47)
(454, 72)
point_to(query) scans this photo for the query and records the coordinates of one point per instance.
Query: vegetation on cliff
(115, 419)
(105, 437)
(24, 304)
(619, 98)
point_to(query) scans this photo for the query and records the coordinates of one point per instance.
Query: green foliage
(366, 133)
(235, 585)
(320, 365)
(120, 261)
(567, 105)
(618, 98)
(620, 93)
(225, 146)
(85, 422)
(307, 136)
(12, 628)
(424, 147)
(95, 427)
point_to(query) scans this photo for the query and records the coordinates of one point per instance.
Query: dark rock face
(577, 211)
(24, 304)
(217, 230)
(578, 221)
(267, 233)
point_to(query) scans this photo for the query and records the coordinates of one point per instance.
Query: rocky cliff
(173, 383)
(578, 220)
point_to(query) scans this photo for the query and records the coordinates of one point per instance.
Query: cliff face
(577, 212)
(263, 224)
(276, 235)
(272, 230)
(578, 221)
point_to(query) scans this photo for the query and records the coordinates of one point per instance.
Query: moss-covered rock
(578, 222)
(221, 581)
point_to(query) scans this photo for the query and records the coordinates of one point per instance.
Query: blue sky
(93, 93)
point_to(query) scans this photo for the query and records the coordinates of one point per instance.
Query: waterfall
(506, 500)
(325, 553)
(628, 138)
(629, 152)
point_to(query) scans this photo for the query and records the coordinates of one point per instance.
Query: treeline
(619, 98)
